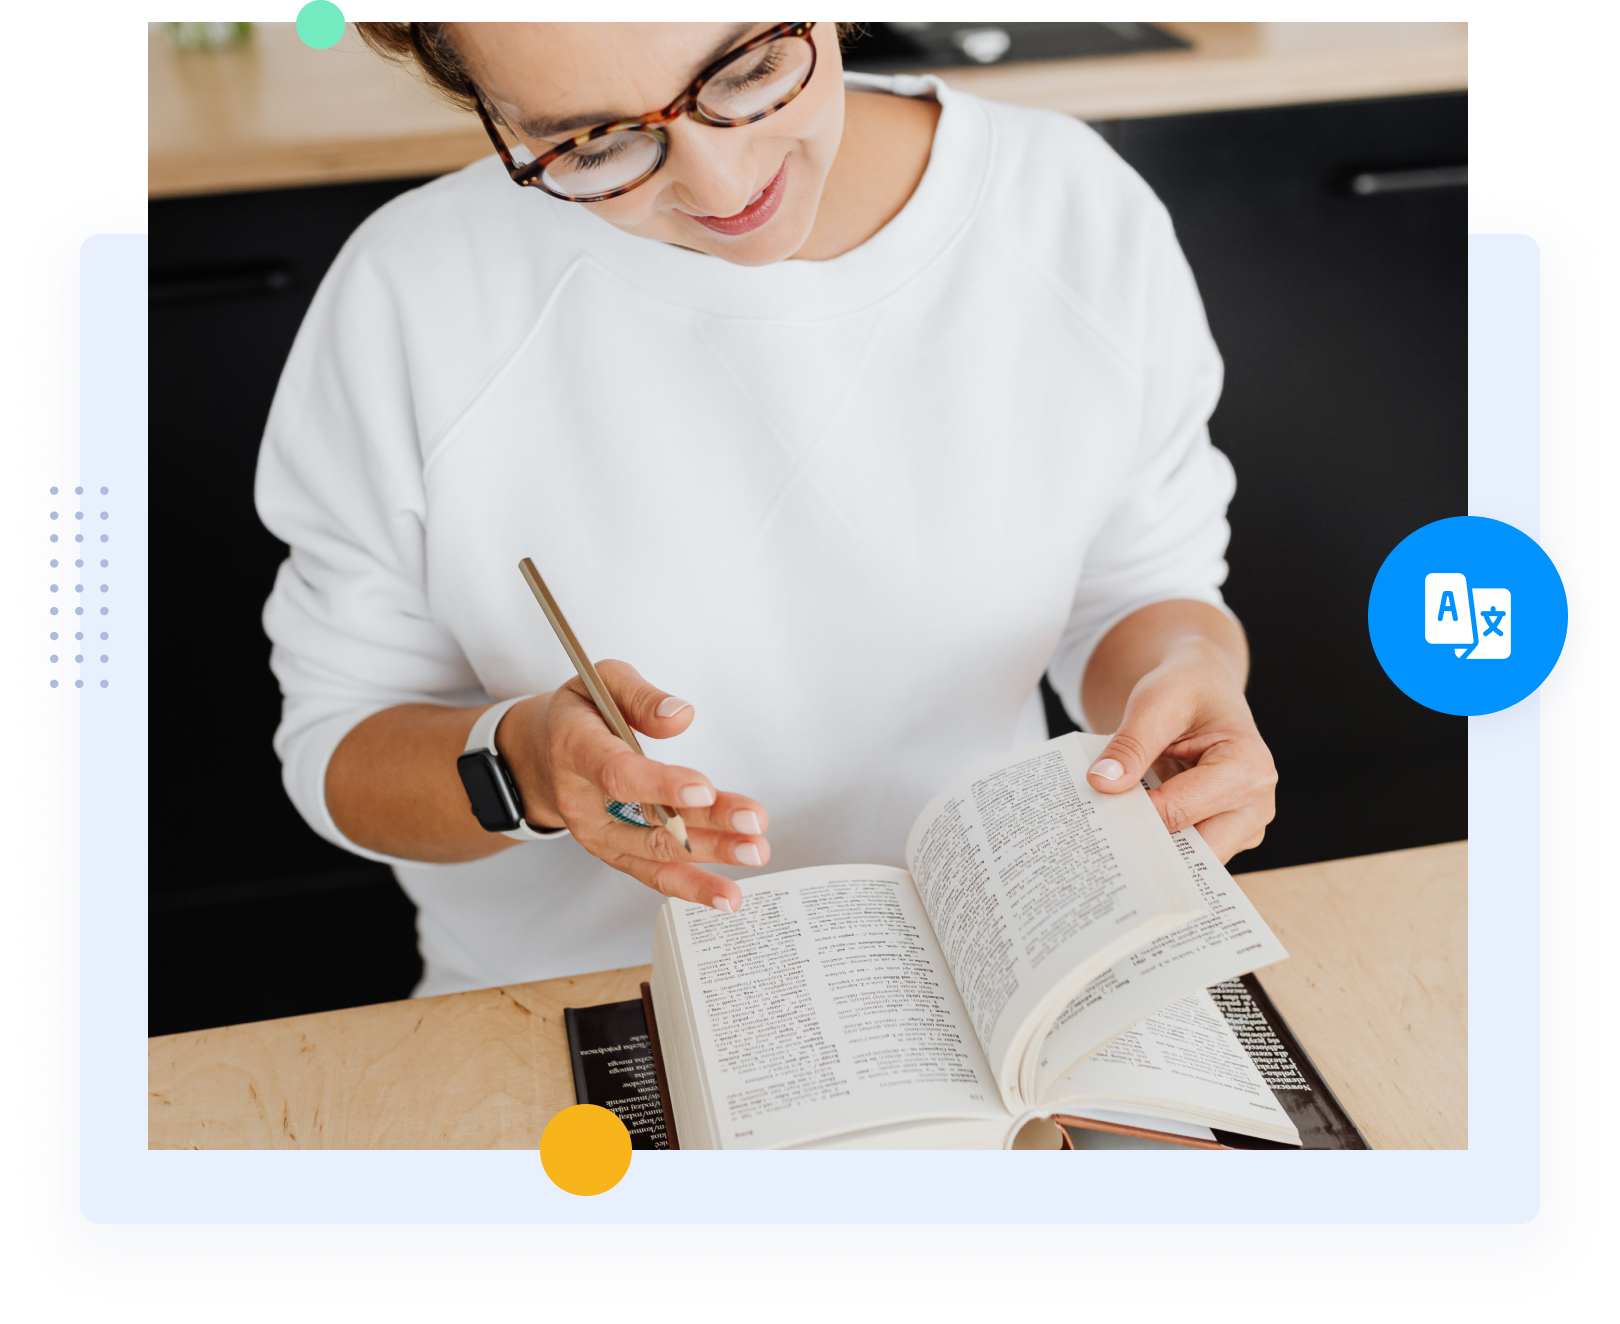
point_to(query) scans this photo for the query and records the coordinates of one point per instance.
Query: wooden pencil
(598, 691)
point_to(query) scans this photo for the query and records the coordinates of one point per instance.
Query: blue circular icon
(1468, 615)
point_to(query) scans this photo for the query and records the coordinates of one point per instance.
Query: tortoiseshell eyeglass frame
(533, 173)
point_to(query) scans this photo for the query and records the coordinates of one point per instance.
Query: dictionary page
(1035, 884)
(1185, 1063)
(1230, 940)
(823, 1008)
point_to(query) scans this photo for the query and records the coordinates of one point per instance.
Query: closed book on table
(614, 1068)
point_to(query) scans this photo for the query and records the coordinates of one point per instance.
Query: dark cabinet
(231, 277)
(1341, 316)
(252, 914)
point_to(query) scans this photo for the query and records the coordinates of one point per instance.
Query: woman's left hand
(1188, 720)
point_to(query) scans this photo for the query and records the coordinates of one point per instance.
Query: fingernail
(748, 853)
(697, 796)
(746, 820)
(670, 706)
(1110, 770)
(723, 903)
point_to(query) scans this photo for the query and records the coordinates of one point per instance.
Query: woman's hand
(1185, 716)
(566, 760)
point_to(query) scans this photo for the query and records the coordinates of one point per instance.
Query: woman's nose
(714, 170)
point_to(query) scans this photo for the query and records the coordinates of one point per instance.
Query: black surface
(613, 1067)
(297, 945)
(888, 48)
(231, 277)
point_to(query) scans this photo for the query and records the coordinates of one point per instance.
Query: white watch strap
(482, 736)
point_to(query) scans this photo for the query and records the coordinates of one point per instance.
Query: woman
(845, 407)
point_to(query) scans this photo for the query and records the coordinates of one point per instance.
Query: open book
(1047, 954)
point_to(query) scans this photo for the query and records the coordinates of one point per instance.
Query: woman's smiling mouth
(759, 209)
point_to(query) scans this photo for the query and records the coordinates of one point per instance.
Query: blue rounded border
(906, 1261)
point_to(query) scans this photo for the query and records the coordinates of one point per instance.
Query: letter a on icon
(1447, 618)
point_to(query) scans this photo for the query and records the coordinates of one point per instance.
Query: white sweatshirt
(850, 509)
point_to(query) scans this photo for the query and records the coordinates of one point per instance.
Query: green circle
(320, 24)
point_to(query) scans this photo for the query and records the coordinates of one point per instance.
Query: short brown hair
(429, 48)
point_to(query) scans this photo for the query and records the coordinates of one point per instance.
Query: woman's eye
(583, 158)
(754, 69)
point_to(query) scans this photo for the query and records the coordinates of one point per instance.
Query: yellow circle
(585, 1149)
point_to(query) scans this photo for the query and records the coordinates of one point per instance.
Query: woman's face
(558, 79)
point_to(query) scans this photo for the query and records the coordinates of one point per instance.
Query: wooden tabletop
(274, 113)
(1375, 989)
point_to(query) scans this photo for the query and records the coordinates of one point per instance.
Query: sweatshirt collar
(936, 213)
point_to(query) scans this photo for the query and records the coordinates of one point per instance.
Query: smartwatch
(489, 784)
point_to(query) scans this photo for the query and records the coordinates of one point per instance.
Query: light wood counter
(1375, 987)
(1375, 990)
(275, 114)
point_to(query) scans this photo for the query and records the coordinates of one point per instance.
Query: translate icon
(1463, 622)
(1477, 624)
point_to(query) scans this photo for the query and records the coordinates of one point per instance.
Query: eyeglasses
(742, 86)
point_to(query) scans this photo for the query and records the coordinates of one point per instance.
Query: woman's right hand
(567, 761)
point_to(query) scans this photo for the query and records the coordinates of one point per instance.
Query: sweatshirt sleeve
(340, 481)
(1166, 534)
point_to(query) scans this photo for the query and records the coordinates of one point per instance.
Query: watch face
(489, 788)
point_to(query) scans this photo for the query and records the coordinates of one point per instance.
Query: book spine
(571, 1022)
(1140, 1133)
(1316, 1111)
(658, 1066)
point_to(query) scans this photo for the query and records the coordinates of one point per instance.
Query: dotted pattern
(31, 616)
(96, 580)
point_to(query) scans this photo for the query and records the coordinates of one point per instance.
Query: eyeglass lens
(750, 85)
(756, 81)
(614, 161)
